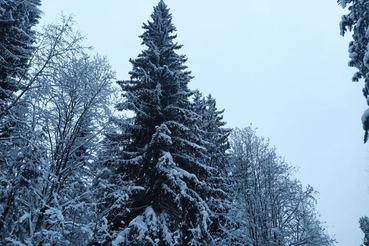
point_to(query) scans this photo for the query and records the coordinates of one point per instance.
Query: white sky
(280, 65)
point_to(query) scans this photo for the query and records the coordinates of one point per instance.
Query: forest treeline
(162, 170)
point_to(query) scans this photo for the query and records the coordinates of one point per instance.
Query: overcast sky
(280, 65)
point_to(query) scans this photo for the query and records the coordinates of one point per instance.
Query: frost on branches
(270, 207)
(48, 157)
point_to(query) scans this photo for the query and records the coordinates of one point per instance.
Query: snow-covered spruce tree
(211, 125)
(215, 139)
(17, 19)
(161, 149)
(357, 21)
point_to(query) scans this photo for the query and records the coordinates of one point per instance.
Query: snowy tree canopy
(270, 206)
(170, 173)
(48, 158)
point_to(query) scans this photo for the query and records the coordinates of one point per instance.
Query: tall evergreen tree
(17, 19)
(161, 149)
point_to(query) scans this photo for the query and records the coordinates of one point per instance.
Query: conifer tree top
(159, 29)
(159, 64)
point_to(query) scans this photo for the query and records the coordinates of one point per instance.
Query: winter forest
(90, 159)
